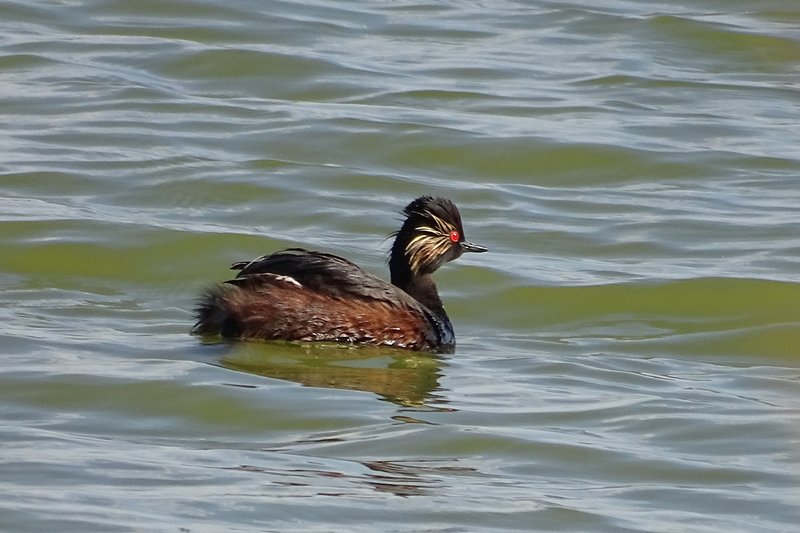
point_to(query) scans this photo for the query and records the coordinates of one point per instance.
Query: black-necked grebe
(302, 295)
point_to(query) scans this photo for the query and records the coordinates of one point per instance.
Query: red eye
(454, 236)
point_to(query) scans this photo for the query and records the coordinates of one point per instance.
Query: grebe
(302, 295)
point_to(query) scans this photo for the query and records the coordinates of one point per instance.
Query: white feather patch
(287, 279)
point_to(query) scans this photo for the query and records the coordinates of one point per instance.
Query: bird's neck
(419, 286)
(422, 289)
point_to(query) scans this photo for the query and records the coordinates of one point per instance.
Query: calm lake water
(629, 350)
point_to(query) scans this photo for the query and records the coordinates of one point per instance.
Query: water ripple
(627, 353)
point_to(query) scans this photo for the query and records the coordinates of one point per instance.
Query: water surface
(628, 352)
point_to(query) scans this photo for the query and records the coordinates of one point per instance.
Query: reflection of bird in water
(399, 376)
(303, 295)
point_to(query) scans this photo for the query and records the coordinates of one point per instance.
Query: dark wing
(325, 273)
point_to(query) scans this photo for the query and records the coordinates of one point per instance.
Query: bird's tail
(213, 313)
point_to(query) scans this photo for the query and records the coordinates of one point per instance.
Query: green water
(628, 352)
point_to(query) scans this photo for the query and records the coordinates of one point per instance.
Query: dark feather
(326, 273)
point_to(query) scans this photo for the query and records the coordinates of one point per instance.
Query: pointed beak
(469, 247)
